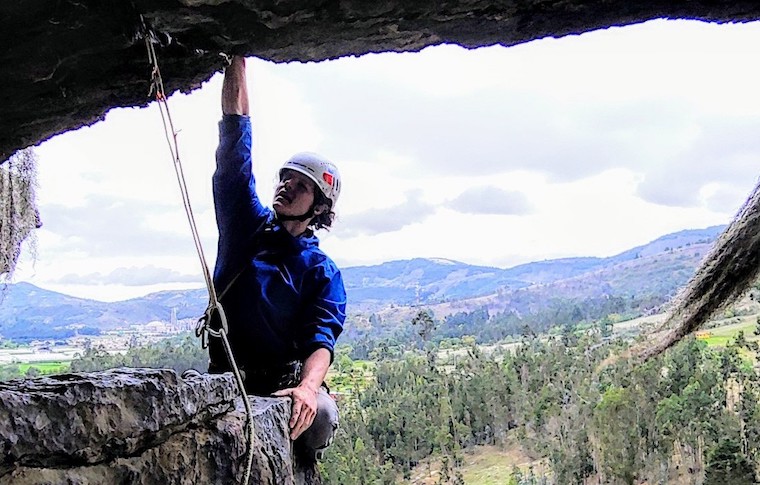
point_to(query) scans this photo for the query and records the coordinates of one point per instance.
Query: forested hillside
(415, 414)
(691, 416)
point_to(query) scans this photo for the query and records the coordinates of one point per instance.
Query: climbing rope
(203, 330)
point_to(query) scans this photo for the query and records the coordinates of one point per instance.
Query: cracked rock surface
(141, 426)
(65, 63)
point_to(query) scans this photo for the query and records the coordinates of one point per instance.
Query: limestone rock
(142, 426)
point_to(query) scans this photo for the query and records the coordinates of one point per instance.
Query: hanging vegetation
(18, 208)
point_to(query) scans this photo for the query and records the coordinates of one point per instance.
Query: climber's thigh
(321, 432)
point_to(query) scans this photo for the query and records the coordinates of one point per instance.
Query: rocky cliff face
(141, 426)
(65, 63)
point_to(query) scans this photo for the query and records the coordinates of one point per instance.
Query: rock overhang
(66, 63)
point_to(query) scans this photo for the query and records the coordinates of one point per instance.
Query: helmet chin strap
(305, 217)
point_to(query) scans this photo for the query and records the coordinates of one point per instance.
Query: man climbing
(284, 298)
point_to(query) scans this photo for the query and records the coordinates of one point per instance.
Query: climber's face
(294, 194)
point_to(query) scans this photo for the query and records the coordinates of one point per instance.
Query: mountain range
(657, 268)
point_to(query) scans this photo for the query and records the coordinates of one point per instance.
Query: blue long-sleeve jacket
(284, 297)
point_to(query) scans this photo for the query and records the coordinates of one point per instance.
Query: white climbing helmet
(323, 172)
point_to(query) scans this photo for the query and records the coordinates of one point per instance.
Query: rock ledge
(141, 426)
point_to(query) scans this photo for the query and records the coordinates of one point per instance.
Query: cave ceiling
(65, 63)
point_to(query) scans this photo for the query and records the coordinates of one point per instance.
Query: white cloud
(111, 226)
(490, 200)
(637, 98)
(387, 219)
(130, 276)
(585, 145)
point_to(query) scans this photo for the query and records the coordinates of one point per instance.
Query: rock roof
(65, 63)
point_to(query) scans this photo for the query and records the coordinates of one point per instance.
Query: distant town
(114, 341)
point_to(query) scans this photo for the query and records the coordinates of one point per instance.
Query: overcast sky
(581, 146)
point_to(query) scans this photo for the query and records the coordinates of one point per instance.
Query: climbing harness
(204, 328)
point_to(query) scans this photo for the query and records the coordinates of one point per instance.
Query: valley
(510, 387)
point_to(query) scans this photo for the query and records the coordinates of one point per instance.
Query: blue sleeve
(238, 208)
(324, 319)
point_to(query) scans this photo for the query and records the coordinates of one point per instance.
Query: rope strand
(203, 330)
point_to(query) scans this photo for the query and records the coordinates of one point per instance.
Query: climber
(284, 298)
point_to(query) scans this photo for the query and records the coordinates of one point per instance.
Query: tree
(425, 324)
(740, 340)
(606, 326)
(727, 464)
(32, 372)
(618, 423)
(10, 371)
(179, 353)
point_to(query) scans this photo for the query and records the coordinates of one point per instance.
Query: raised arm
(239, 212)
(235, 89)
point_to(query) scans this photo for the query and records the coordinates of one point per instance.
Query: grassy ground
(482, 465)
(344, 380)
(493, 466)
(725, 334)
(45, 367)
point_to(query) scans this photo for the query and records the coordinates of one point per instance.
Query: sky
(580, 146)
